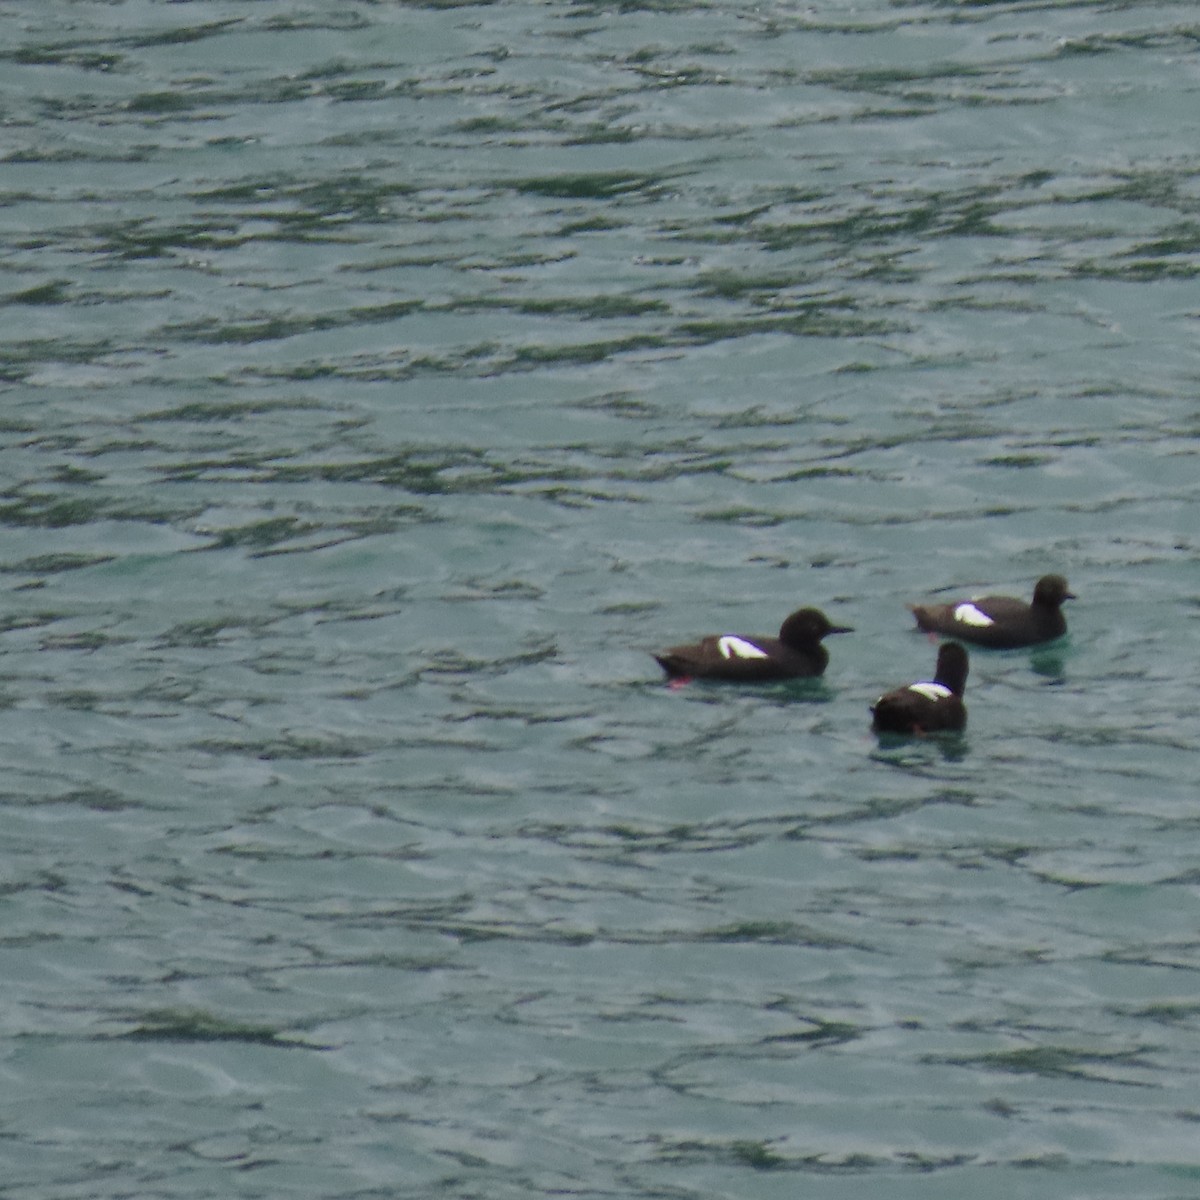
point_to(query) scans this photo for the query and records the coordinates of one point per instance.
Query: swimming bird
(796, 653)
(929, 706)
(1001, 622)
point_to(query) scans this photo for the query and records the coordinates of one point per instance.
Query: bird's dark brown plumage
(927, 707)
(795, 654)
(1001, 622)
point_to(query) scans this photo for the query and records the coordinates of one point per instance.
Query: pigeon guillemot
(927, 707)
(1000, 621)
(797, 652)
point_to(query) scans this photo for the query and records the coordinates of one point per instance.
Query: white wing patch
(731, 646)
(931, 691)
(967, 614)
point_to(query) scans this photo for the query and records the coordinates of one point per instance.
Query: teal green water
(380, 383)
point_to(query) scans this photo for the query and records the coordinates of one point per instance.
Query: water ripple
(382, 385)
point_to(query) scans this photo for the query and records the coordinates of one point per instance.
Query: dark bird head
(1051, 591)
(807, 627)
(952, 667)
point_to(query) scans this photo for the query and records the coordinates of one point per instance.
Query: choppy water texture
(380, 383)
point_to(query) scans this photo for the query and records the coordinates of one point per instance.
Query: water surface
(380, 385)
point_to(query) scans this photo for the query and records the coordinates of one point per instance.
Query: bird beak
(1070, 596)
(840, 629)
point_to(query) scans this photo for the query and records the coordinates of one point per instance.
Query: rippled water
(380, 384)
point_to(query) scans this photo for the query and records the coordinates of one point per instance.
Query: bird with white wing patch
(1001, 622)
(796, 653)
(928, 706)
